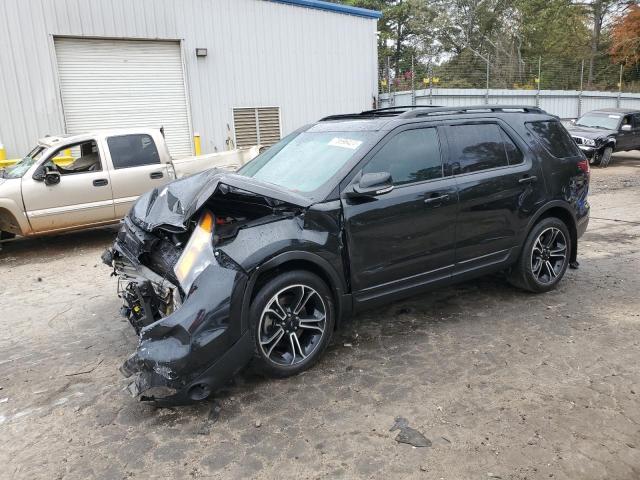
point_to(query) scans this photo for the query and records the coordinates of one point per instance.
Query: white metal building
(246, 70)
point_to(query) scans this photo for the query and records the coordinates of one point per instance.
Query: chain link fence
(564, 88)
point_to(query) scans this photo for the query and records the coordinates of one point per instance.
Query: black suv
(601, 132)
(220, 269)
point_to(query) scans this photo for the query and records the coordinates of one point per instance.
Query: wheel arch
(298, 260)
(562, 211)
(9, 223)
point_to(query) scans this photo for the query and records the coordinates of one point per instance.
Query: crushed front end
(181, 292)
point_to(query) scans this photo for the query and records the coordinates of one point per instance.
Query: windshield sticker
(614, 116)
(345, 143)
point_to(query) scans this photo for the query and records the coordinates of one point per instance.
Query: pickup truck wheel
(544, 258)
(605, 157)
(292, 319)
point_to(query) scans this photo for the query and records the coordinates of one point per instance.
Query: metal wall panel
(308, 62)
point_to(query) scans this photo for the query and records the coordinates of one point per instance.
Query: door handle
(528, 179)
(100, 182)
(436, 199)
(155, 175)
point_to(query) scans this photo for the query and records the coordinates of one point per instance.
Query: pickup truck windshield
(599, 120)
(20, 168)
(304, 162)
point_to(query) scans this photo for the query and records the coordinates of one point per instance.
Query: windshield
(599, 120)
(304, 162)
(20, 168)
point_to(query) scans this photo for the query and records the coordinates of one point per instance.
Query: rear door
(406, 237)
(499, 182)
(82, 198)
(635, 133)
(135, 169)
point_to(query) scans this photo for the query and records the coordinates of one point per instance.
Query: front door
(82, 198)
(406, 237)
(136, 169)
(627, 139)
(499, 183)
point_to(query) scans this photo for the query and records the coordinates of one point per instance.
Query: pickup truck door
(136, 168)
(82, 197)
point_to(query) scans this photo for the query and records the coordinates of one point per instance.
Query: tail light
(583, 165)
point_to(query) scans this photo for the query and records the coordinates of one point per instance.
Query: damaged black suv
(219, 270)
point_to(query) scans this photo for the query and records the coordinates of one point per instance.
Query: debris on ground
(212, 418)
(409, 435)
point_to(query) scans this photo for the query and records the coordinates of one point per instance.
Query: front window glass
(20, 168)
(410, 156)
(306, 161)
(599, 120)
(78, 158)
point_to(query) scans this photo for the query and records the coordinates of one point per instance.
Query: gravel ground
(504, 384)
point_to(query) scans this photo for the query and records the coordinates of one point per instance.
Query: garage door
(124, 83)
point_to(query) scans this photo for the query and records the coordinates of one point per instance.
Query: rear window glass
(133, 151)
(476, 147)
(513, 152)
(554, 138)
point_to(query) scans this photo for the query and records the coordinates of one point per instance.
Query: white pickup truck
(101, 175)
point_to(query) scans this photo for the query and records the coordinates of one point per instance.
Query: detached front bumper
(186, 355)
(189, 354)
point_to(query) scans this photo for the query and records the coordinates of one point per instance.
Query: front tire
(605, 157)
(291, 321)
(544, 258)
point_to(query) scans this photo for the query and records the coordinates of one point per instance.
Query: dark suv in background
(601, 132)
(219, 270)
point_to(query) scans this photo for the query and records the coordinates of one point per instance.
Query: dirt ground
(504, 384)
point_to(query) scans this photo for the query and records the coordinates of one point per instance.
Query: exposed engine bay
(181, 288)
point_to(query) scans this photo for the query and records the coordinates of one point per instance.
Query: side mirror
(372, 184)
(625, 128)
(51, 176)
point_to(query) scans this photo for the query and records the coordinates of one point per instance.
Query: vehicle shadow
(625, 159)
(23, 249)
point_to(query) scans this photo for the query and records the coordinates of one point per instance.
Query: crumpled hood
(589, 132)
(172, 205)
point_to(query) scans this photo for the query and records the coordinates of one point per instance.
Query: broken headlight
(198, 253)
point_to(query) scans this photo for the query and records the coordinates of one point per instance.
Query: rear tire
(544, 258)
(291, 322)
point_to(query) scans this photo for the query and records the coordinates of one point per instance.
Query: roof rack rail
(428, 111)
(414, 111)
(378, 112)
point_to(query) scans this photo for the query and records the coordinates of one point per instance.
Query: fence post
(486, 95)
(413, 84)
(390, 101)
(539, 81)
(619, 87)
(430, 83)
(580, 93)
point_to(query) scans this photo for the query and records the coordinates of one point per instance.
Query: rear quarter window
(555, 139)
